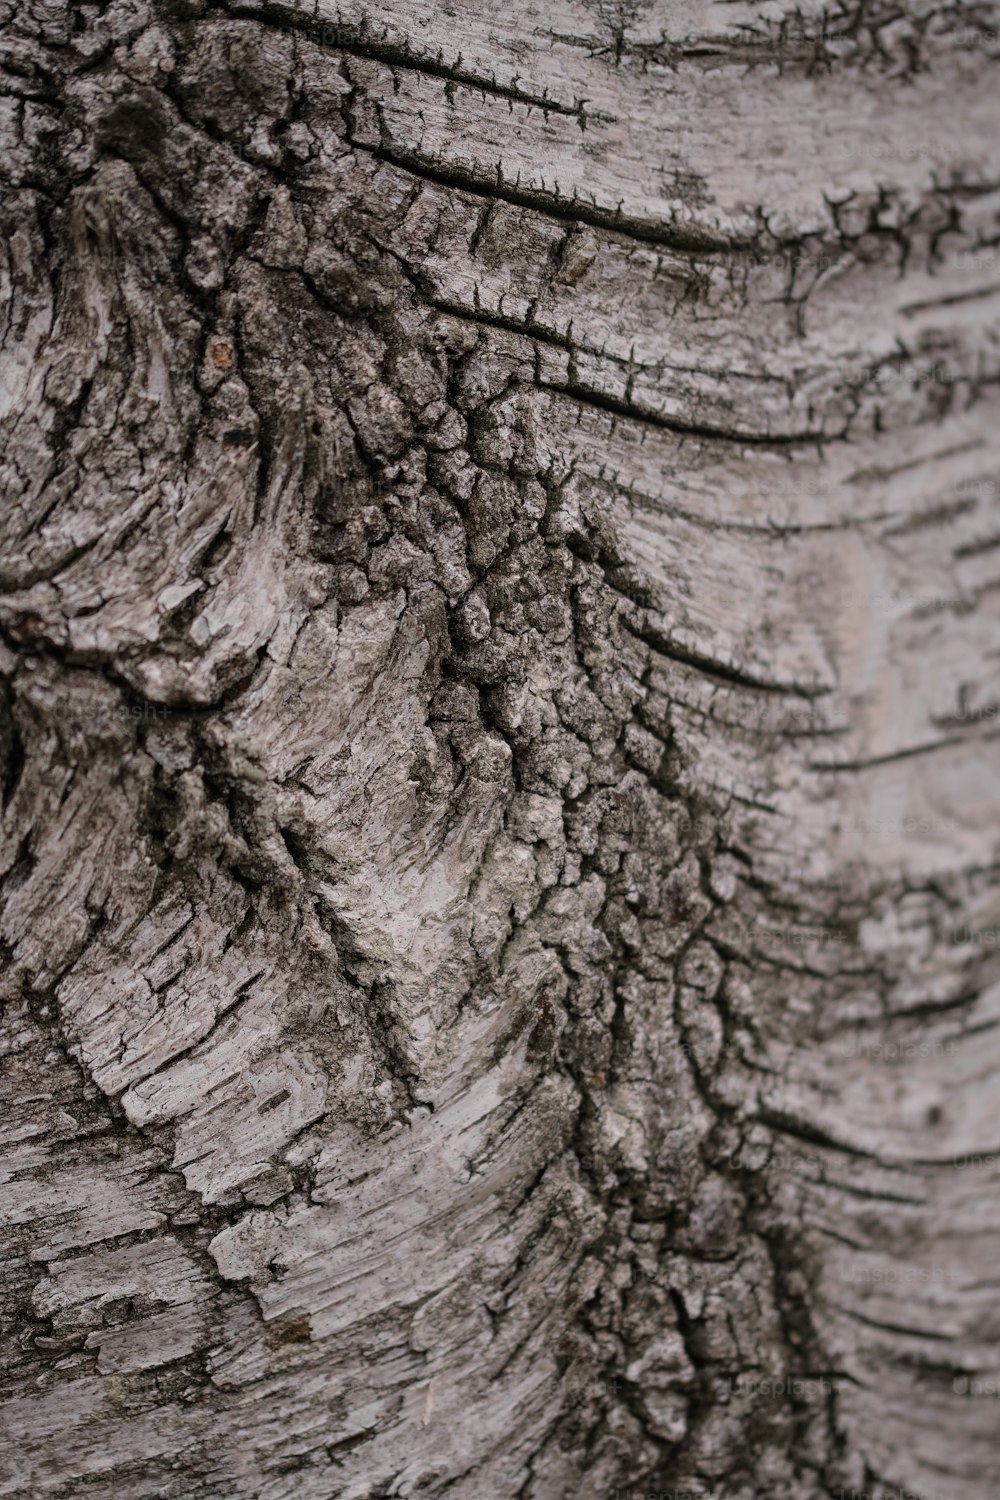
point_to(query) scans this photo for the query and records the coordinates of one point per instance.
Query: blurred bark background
(500, 708)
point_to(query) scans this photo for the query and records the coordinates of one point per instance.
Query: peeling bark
(499, 649)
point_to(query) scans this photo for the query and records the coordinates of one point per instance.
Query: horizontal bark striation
(499, 646)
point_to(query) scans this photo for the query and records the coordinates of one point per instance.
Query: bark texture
(501, 678)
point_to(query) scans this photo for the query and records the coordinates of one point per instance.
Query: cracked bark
(499, 725)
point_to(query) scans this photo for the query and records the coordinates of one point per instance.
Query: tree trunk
(501, 655)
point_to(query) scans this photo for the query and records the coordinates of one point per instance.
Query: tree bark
(500, 707)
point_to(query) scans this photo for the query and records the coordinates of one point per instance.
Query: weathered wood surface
(500, 726)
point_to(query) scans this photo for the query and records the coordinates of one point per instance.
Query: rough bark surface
(501, 678)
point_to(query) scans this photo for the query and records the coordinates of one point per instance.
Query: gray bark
(500, 707)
